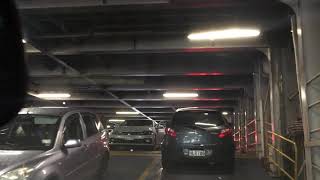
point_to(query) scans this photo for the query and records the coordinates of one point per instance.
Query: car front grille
(135, 133)
(134, 141)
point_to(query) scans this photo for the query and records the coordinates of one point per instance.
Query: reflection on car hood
(10, 158)
(133, 128)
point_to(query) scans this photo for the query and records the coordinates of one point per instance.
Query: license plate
(196, 153)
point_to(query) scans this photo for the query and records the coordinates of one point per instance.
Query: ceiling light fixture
(225, 113)
(205, 74)
(208, 89)
(233, 33)
(180, 95)
(24, 41)
(51, 96)
(53, 107)
(127, 112)
(116, 120)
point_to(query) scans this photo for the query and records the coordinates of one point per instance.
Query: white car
(137, 133)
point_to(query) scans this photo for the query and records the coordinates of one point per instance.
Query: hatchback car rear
(198, 136)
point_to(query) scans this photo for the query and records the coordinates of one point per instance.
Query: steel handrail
(294, 161)
(249, 123)
(252, 133)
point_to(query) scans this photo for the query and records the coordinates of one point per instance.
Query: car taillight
(170, 132)
(225, 133)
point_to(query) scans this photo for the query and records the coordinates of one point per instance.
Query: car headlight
(17, 174)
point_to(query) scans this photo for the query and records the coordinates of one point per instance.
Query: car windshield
(29, 132)
(193, 118)
(137, 123)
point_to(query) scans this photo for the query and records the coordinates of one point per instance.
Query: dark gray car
(53, 144)
(198, 136)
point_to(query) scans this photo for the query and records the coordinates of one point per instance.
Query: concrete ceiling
(123, 55)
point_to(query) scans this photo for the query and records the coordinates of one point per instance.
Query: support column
(307, 42)
(258, 112)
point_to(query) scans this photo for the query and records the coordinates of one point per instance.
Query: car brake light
(225, 133)
(171, 132)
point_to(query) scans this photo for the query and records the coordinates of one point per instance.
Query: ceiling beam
(44, 4)
(150, 44)
(224, 63)
(150, 96)
(147, 83)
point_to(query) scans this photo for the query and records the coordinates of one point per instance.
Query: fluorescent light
(51, 95)
(299, 31)
(53, 107)
(180, 95)
(8, 153)
(24, 41)
(235, 33)
(127, 112)
(25, 112)
(225, 113)
(116, 120)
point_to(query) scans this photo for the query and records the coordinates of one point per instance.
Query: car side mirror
(72, 143)
(13, 74)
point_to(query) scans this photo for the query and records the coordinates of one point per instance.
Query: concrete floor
(142, 165)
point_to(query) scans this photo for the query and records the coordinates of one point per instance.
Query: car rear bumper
(214, 153)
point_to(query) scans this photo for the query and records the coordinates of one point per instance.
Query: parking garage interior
(114, 56)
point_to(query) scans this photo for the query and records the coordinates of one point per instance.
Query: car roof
(54, 111)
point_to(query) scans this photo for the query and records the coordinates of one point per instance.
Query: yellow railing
(278, 151)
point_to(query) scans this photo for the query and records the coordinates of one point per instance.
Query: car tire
(103, 169)
(229, 166)
(166, 164)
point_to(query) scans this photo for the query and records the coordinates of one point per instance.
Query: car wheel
(229, 166)
(166, 164)
(103, 169)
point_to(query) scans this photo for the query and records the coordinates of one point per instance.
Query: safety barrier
(251, 131)
(237, 139)
(277, 151)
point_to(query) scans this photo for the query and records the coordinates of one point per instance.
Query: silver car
(53, 144)
(145, 133)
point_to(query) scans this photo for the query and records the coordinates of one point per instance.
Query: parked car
(198, 136)
(137, 133)
(53, 144)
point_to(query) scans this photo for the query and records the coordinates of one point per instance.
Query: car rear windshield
(29, 132)
(137, 123)
(197, 118)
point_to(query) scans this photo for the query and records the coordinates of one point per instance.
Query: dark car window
(137, 123)
(72, 128)
(198, 118)
(30, 132)
(90, 120)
